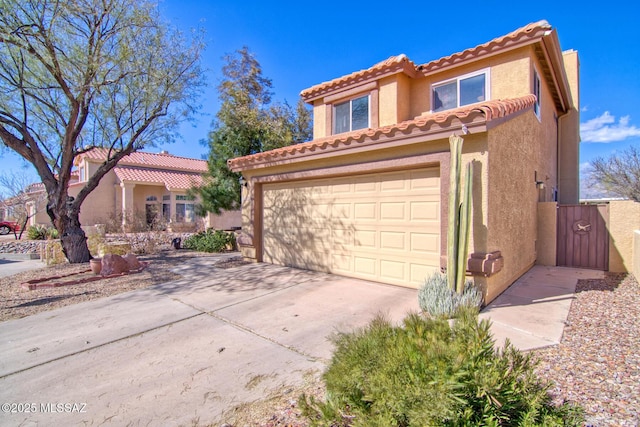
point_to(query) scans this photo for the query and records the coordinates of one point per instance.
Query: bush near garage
(210, 241)
(428, 373)
(437, 299)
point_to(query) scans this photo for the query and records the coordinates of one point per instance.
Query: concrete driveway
(184, 351)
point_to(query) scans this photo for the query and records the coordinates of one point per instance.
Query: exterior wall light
(539, 184)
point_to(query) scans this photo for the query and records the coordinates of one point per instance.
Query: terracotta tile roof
(524, 35)
(484, 112)
(172, 180)
(392, 65)
(527, 34)
(152, 160)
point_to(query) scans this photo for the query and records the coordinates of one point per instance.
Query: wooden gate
(583, 237)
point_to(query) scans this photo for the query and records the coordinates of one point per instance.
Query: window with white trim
(463, 90)
(536, 92)
(351, 115)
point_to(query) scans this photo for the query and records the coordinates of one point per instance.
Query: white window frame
(487, 87)
(350, 101)
(537, 106)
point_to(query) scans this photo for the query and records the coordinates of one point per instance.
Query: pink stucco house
(145, 186)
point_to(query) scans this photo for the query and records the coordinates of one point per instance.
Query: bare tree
(76, 75)
(23, 197)
(618, 174)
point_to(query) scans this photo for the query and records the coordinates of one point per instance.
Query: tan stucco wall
(624, 219)
(515, 153)
(404, 98)
(569, 135)
(509, 75)
(319, 119)
(227, 220)
(546, 244)
(388, 101)
(636, 254)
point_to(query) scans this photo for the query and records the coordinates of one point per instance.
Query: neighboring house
(368, 196)
(32, 203)
(146, 187)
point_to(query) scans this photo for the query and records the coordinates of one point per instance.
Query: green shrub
(436, 298)
(210, 241)
(426, 373)
(40, 232)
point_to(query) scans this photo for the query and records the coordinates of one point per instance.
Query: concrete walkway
(186, 351)
(533, 311)
(11, 264)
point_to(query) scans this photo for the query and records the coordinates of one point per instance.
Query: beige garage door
(383, 227)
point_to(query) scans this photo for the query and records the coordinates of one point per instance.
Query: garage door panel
(393, 240)
(365, 238)
(365, 266)
(424, 242)
(425, 211)
(425, 179)
(392, 211)
(341, 211)
(365, 186)
(365, 210)
(383, 227)
(392, 270)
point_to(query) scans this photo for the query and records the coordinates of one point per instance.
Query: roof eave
(553, 53)
(373, 140)
(522, 37)
(405, 66)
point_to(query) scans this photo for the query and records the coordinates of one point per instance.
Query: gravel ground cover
(16, 301)
(597, 364)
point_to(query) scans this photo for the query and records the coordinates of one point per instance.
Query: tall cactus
(459, 217)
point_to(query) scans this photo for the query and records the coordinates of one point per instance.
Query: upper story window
(351, 115)
(83, 177)
(536, 92)
(463, 90)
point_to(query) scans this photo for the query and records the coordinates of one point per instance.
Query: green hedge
(426, 373)
(210, 241)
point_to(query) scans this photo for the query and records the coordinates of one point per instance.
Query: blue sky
(300, 45)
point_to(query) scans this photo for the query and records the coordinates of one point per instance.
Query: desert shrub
(437, 299)
(41, 232)
(210, 241)
(428, 373)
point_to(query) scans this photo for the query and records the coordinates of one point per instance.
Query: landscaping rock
(114, 264)
(133, 262)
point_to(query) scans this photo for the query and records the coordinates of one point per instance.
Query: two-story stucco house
(368, 196)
